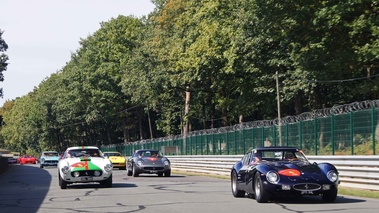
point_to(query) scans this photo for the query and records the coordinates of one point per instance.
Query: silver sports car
(148, 161)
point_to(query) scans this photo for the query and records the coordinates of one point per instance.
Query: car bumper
(85, 178)
(152, 169)
(305, 188)
(118, 165)
(49, 163)
(28, 162)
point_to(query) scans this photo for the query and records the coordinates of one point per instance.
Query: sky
(42, 34)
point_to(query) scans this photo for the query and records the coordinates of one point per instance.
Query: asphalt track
(29, 189)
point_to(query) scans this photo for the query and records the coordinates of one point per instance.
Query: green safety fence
(348, 130)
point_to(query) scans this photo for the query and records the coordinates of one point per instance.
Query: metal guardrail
(360, 172)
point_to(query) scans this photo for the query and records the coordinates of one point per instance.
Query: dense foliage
(127, 81)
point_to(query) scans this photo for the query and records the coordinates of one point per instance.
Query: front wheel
(107, 183)
(129, 172)
(62, 183)
(330, 196)
(135, 173)
(261, 196)
(235, 191)
(167, 173)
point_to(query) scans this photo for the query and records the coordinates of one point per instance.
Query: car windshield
(84, 152)
(112, 154)
(51, 154)
(149, 153)
(283, 155)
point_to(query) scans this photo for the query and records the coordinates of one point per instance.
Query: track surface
(29, 189)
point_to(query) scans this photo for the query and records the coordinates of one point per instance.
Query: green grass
(341, 190)
(358, 192)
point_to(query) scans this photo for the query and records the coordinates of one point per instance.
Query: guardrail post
(373, 130)
(351, 133)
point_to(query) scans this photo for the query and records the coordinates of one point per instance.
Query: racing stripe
(85, 162)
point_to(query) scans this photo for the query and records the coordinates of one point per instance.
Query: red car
(27, 159)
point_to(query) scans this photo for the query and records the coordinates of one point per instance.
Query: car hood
(153, 160)
(87, 163)
(28, 158)
(305, 167)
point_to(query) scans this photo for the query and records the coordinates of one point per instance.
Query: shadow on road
(23, 187)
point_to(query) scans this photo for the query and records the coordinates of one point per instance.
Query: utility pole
(278, 103)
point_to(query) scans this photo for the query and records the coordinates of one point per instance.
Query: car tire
(135, 173)
(167, 173)
(129, 172)
(235, 191)
(108, 182)
(41, 166)
(330, 196)
(261, 195)
(62, 183)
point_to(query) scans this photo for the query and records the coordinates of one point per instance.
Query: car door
(242, 173)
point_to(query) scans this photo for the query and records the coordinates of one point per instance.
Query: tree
(3, 59)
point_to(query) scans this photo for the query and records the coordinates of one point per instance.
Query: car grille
(154, 168)
(87, 173)
(51, 162)
(307, 187)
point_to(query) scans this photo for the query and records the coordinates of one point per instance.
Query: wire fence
(350, 129)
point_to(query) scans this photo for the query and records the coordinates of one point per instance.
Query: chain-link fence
(351, 129)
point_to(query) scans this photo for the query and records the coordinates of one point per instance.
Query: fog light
(286, 187)
(97, 173)
(326, 187)
(76, 174)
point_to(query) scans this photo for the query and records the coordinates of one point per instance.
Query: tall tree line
(127, 82)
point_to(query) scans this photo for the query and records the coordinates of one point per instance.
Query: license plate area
(307, 192)
(86, 179)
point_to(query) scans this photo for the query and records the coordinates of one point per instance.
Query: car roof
(275, 148)
(82, 147)
(144, 150)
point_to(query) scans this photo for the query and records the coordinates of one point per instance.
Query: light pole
(278, 104)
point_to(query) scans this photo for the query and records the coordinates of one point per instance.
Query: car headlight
(139, 163)
(166, 163)
(332, 176)
(108, 167)
(65, 169)
(272, 177)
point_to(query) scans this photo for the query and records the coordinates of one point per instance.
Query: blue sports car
(268, 171)
(49, 158)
